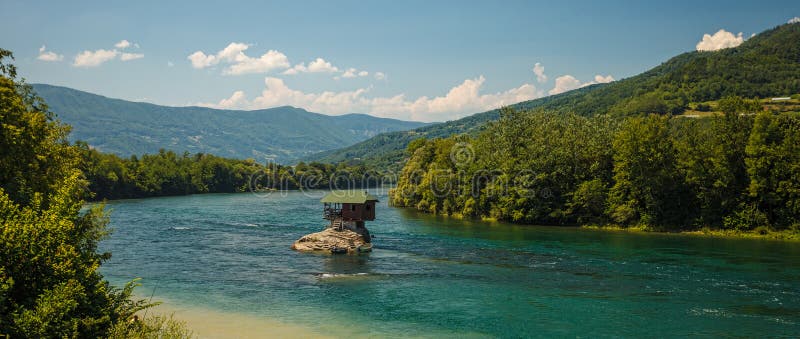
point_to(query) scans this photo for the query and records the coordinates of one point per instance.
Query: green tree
(711, 157)
(773, 165)
(49, 284)
(647, 188)
(35, 153)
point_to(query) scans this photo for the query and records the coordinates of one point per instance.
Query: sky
(411, 60)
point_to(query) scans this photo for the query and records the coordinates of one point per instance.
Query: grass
(791, 105)
(153, 326)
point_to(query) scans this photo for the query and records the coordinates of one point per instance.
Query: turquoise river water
(435, 276)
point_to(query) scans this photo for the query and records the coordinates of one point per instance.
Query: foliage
(166, 173)
(773, 165)
(734, 171)
(34, 151)
(647, 186)
(49, 284)
(151, 327)
(711, 156)
(526, 167)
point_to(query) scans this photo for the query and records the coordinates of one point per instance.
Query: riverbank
(759, 233)
(762, 233)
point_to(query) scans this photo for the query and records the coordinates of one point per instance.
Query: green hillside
(763, 66)
(282, 133)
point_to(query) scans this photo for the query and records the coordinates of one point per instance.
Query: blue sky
(425, 60)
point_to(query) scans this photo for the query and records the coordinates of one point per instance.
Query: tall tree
(773, 164)
(647, 188)
(49, 284)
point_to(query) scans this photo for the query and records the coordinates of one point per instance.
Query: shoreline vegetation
(731, 174)
(167, 173)
(762, 233)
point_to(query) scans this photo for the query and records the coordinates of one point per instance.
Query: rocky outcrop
(332, 238)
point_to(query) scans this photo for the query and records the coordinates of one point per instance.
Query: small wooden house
(349, 207)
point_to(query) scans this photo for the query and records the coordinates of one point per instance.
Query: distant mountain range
(765, 65)
(282, 133)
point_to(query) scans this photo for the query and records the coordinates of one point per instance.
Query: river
(432, 276)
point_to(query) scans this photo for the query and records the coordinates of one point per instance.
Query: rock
(330, 238)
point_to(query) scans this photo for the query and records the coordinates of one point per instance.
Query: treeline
(50, 286)
(167, 173)
(737, 171)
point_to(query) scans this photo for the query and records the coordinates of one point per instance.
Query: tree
(773, 165)
(49, 284)
(711, 156)
(33, 147)
(647, 188)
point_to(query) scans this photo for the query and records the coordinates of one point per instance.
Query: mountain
(282, 133)
(765, 65)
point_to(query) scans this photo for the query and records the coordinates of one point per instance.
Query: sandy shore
(206, 323)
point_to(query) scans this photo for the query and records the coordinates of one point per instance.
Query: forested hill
(282, 133)
(765, 65)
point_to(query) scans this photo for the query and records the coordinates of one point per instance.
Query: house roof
(348, 197)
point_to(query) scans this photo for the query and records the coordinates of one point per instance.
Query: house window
(367, 207)
(352, 207)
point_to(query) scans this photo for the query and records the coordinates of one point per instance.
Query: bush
(703, 107)
(747, 218)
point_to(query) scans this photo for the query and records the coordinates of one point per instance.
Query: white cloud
(538, 69)
(94, 58)
(265, 63)
(239, 62)
(380, 76)
(45, 55)
(721, 39)
(170, 64)
(201, 60)
(299, 68)
(130, 56)
(459, 101)
(567, 82)
(349, 73)
(599, 79)
(321, 66)
(794, 20)
(236, 101)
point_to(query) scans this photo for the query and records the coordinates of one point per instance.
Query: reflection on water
(437, 276)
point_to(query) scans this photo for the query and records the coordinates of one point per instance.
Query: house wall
(352, 211)
(369, 211)
(359, 211)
